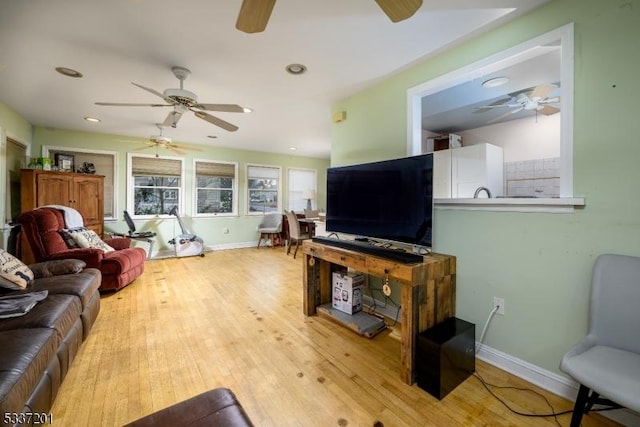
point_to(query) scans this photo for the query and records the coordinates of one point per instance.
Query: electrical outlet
(225, 230)
(499, 302)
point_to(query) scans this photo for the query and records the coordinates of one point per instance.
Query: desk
(428, 289)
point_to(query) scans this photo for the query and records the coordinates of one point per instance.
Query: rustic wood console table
(428, 291)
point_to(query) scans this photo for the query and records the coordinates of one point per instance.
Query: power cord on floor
(486, 385)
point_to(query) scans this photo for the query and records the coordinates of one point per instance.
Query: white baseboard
(170, 253)
(548, 380)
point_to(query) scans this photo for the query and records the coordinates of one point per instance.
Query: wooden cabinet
(83, 192)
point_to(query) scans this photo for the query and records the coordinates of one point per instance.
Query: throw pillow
(14, 274)
(57, 267)
(89, 239)
(68, 238)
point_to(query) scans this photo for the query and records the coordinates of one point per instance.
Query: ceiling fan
(161, 141)
(182, 101)
(535, 99)
(254, 14)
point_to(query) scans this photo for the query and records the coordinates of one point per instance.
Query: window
(216, 188)
(263, 184)
(104, 163)
(556, 45)
(156, 184)
(302, 189)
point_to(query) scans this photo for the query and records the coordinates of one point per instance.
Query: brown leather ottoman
(217, 407)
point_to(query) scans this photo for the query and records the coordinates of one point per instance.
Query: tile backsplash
(533, 178)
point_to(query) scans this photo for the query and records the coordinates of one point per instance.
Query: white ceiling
(346, 45)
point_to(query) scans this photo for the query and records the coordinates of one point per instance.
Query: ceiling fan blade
(542, 91)
(216, 121)
(227, 108)
(174, 149)
(496, 104)
(548, 110)
(130, 104)
(185, 147)
(172, 119)
(155, 92)
(254, 15)
(399, 10)
(553, 100)
(507, 114)
(149, 145)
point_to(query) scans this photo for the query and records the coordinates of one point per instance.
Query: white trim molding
(547, 380)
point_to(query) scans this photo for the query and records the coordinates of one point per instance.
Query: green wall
(242, 229)
(539, 262)
(14, 126)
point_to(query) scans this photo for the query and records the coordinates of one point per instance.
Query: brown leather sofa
(217, 407)
(37, 349)
(42, 228)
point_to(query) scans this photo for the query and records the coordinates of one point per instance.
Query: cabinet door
(88, 198)
(54, 190)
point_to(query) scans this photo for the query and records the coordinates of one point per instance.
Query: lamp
(308, 195)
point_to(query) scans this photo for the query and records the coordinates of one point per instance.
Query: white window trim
(234, 207)
(567, 201)
(130, 182)
(45, 153)
(247, 166)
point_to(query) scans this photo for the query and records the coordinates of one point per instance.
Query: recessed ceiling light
(296, 69)
(292, 148)
(92, 119)
(69, 72)
(495, 82)
(246, 110)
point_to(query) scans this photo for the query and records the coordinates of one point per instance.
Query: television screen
(390, 200)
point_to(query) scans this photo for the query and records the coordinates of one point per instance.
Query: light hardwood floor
(234, 319)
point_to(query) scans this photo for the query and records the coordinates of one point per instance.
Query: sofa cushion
(25, 355)
(83, 285)
(57, 312)
(121, 261)
(14, 274)
(57, 267)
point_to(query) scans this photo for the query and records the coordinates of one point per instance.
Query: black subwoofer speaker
(445, 356)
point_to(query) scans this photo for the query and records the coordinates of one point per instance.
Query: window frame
(131, 185)
(234, 190)
(248, 190)
(47, 149)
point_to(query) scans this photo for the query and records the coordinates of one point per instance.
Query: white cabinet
(458, 172)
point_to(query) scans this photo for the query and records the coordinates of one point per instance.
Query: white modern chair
(607, 361)
(270, 227)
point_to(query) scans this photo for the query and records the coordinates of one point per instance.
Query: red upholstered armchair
(42, 227)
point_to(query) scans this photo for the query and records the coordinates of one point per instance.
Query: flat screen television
(390, 200)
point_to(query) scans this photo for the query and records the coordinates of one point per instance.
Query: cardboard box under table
(347, 291)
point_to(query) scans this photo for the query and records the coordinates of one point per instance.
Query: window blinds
(153, 166)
